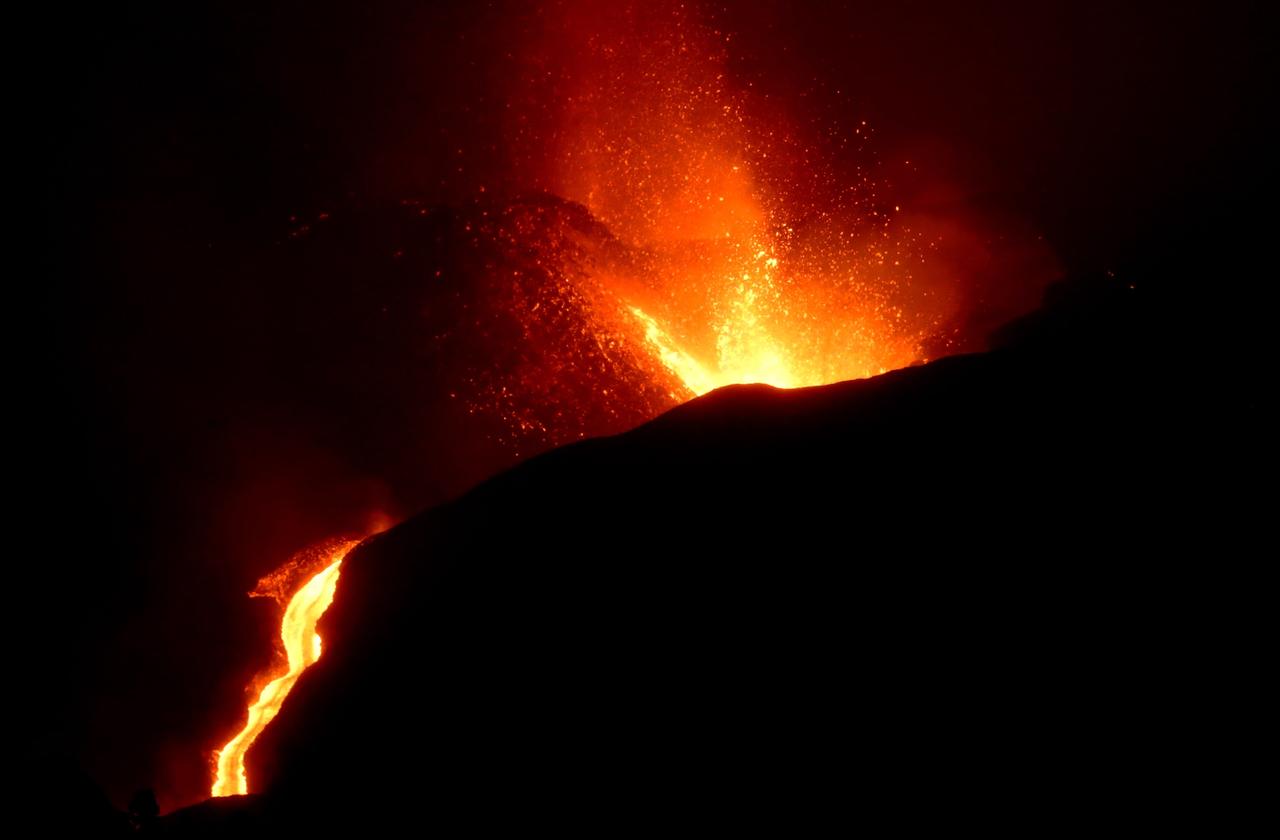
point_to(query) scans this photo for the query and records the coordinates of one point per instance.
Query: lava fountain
(302, 649)
(761, 254)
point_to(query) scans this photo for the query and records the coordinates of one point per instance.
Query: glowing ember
(302, 647)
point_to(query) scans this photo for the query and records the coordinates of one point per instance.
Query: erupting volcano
(636, 330)
(662, 232)
(752, 258)
(659, 228)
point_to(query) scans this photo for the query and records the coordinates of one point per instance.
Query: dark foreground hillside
(950, 593)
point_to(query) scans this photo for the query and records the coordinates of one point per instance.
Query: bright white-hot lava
(302, 649)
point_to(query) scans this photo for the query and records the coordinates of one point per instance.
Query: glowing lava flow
(302, 646)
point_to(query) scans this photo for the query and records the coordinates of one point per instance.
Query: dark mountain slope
(947, 592)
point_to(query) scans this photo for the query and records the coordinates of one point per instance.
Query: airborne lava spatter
(654, 228)
(757, 258)
(302, 649)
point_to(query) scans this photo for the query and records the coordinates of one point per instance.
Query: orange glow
(755, 257)
(665, 223)
(302, 649)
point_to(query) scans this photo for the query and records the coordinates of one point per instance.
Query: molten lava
(302, 649)
(762, 247)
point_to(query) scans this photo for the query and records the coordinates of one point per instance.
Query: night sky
(180, 440)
